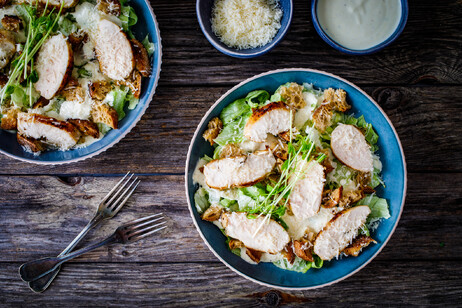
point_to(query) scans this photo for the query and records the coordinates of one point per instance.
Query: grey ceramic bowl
(204, 13)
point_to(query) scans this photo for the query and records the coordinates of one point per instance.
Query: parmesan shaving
(245, 24)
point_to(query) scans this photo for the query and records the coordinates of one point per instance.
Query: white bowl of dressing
(359, 26)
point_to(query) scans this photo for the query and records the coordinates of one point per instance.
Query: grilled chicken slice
(54, 65)
(31, 144)
(142, 63)
(59, 133)
(86, 127)
(358, 244)
(7, 47)
(212, 213)
(273, 118)
(350, 147)
(113, 50)
(340, 231)
(306, 196)
(258, 234)
(239, 171)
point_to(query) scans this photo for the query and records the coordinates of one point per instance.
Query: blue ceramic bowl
(394, 175)
(146, 24)
(204, 13)
(388, 41)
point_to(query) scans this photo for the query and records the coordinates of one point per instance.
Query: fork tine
(139, 220)
(114, 188)
(118, 205)
(121, 189)
(143, 224)
(146, 232)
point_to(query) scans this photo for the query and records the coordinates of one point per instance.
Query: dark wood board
(417, 81)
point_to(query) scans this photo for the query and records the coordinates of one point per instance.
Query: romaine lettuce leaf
(233, 111)
(378, 206)
(201, 200)
(299, 264)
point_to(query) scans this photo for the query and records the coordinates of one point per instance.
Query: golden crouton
(103, 113)
(134, 83)
(4, 3)
(288, 253)
(11, 23)
(99, 89)
(9, 119)
(358, 244)
(111, 7)
(73, 91)
(32, 144)
(213, 129)
(293, 95)
(322, 117)
(332, 198)
(86, 127)
(233, 244)
(351, 197)
(302, 249)
(212, 213)
(230, 150)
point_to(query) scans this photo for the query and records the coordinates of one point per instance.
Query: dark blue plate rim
(141, 112)
(197, 133)
(388, 41)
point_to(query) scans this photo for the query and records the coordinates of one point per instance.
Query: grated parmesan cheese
(244, 24)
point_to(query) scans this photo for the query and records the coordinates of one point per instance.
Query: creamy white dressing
(359, 24)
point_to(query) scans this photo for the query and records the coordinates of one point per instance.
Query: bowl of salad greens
(295, 179)
(75, 76)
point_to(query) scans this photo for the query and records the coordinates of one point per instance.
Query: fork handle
(36, 269)
(42, 283)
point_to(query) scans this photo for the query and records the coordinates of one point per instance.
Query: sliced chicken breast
(113, 50)
(306, 196)
(350, 147)
(273, 118)
(259, 234)
(340, 232)
(7, 47)
(239, 171)
(54, 65)
(59, 133)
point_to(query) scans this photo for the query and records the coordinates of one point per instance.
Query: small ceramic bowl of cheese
(244, 28)
(359, 27)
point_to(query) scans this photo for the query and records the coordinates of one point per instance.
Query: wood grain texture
(42, 224)
(427, 119)
(211, 284)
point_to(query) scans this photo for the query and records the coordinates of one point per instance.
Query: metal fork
(127, 233)
(108, 208)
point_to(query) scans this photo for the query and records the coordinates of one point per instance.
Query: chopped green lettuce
(299, 264)
(232, 132)
(201, 200)
(234, 111)
(257, 98)
(378, 206)
(150, 48)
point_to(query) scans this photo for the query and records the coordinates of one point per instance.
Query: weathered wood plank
(428, 50)
(41, 215)
(417, 283)
(427, 120)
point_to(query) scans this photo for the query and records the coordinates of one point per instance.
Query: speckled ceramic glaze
(146, 24)
(394, 175)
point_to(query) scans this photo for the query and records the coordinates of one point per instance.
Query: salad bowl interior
(146, 25)
(393, 174)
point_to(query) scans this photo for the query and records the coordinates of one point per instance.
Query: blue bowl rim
(197, 134)
(126, 131)
(376, 48)
(235, 52)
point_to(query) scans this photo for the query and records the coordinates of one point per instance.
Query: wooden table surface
(417, 81)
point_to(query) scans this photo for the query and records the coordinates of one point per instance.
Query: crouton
(303, 250)
(3, 80)
(86, 127)
(7, 47)
(54, 65)
(213, 129)
(59, 133)
(99, 89)
(293, 95)
(288, 253)
(103, 113)
(111, 7)
(77, 38)
(142, 62)
(358, 244)
(332, 198)
(30, 143)
(233, 244)
(11, 23)
(350, 197)
(340, 231)
(9, 119)
(134, 83)
(230, 150)
(322, 117)
(212, 213)
(73, 91)
(4, 3)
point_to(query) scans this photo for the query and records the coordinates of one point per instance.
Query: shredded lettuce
(150, 48)
(232, 132)
(299, 264)
(128, 18)
(201, 200)
(378, 206)
(257, 98)
(235, 110)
